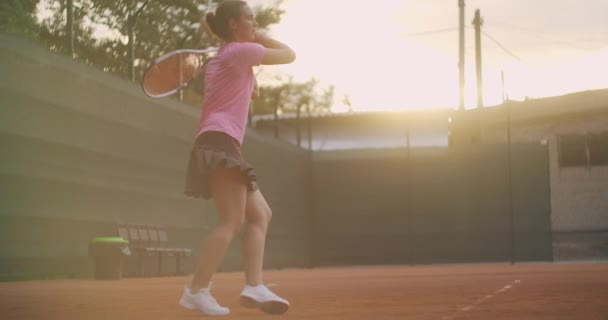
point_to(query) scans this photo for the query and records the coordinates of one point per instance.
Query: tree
(293, 97)
(18, 17)
(52, 30)
(162, 26)
(101, 32)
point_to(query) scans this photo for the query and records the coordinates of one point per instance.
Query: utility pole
(277, 103)
(298, 135)
(478, 22)
(507, 105)
(70, 26)
(502, 81)
(309, 125)
(461, 54)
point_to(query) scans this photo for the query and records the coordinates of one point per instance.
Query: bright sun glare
(360, 47)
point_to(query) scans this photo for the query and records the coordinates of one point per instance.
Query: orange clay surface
(492, 291)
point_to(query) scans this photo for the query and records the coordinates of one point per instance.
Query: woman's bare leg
(258, 218)
(229, 194)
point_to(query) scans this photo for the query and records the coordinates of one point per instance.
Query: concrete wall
(579, 195)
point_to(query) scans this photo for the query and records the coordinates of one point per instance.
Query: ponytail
(218, 21)
(212, 22)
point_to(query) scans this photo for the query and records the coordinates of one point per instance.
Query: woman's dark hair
(218, 22)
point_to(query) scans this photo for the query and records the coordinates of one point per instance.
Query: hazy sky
(368, 51)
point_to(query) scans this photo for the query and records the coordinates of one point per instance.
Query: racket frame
(170, 54)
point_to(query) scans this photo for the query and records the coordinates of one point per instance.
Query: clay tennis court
(495, 291)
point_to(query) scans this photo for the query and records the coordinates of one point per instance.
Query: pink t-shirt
(228, 88)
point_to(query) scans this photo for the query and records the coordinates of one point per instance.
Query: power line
(437, 31)
(430, 32)
(554, 39)
(503, 47)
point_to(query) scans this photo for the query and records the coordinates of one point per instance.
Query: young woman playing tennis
(217, 169)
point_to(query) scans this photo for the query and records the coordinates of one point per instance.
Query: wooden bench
(148, 240)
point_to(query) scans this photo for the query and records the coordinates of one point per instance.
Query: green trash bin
(108, 254)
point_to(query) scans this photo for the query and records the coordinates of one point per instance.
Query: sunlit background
(403, 54)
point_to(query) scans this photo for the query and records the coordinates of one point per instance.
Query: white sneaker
(202, 301)
(261, 297)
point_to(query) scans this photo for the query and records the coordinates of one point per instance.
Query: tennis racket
(174, 71)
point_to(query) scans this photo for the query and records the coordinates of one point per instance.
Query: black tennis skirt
(211, 150)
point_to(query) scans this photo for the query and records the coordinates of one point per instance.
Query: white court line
(482, 300)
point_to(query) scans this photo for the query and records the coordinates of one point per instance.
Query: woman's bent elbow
(283, 56)
(292, 56)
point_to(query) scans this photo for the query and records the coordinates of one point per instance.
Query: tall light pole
(478, 22)
(461, 54)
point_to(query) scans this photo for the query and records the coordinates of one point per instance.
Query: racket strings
(172, 73)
